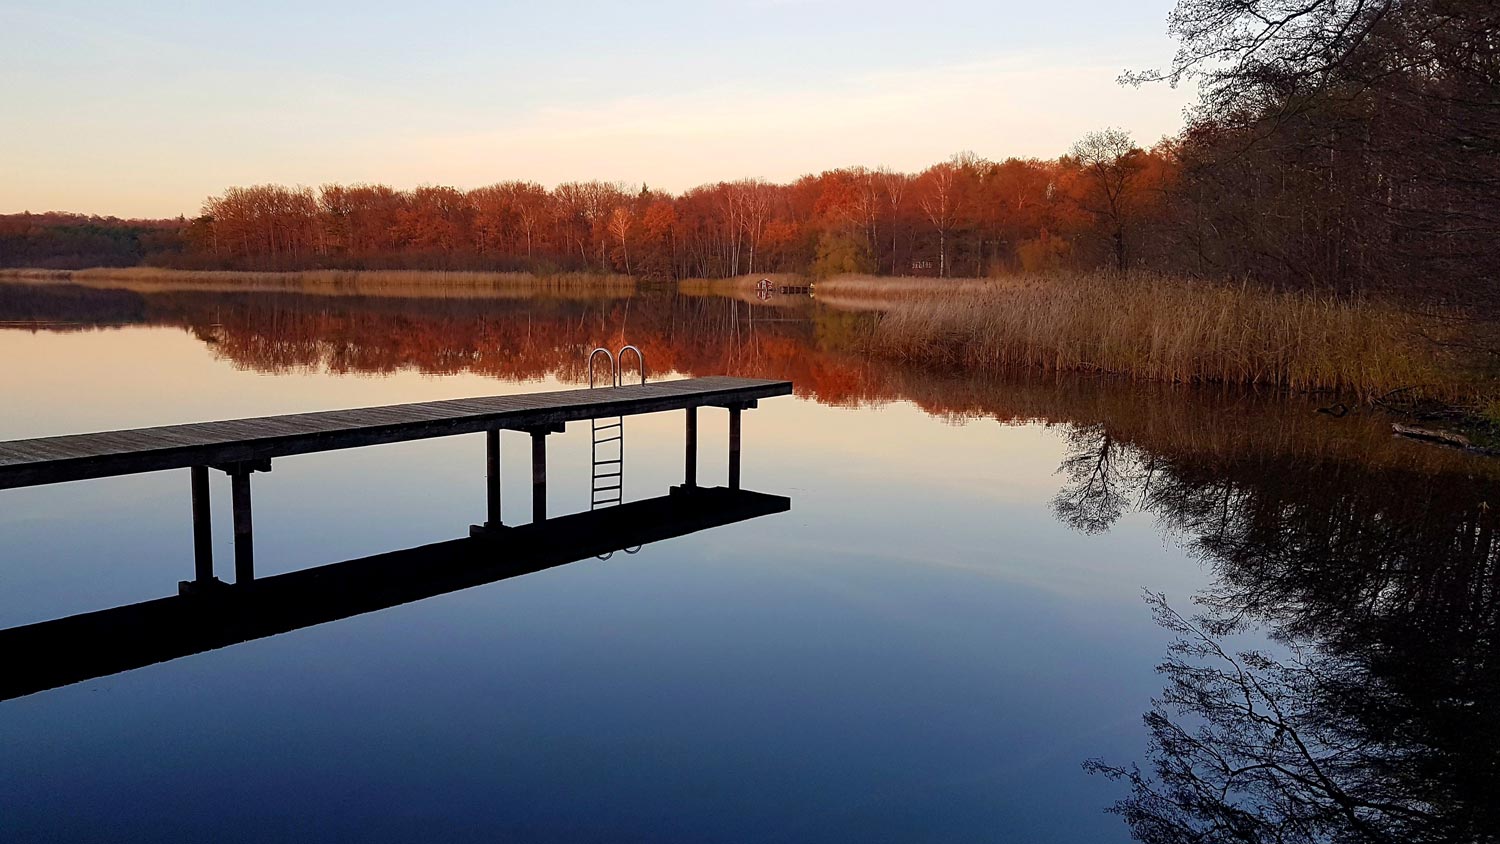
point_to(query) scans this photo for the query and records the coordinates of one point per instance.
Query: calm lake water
(928, 646)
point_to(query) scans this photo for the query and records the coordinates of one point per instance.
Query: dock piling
(492, 479)
(239, 502)
(690, 472)
(539, 476)
(244, 537)
(203, 546)
(734, 447)
(539, 470)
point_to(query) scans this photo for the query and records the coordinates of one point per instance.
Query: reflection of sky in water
(919, 650)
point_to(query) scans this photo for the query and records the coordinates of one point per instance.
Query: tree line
(75, 241)
(965, 216)
(1340, 145)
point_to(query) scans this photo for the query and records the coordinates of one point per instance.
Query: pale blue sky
(145, 108)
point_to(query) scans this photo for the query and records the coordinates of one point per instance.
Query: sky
(143, 109)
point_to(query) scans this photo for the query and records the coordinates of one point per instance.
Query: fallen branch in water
(1432, 435)
(1439, 437)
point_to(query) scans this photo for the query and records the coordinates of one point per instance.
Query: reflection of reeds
(720, 286)
(884, 289)
(1203, 426)
(738, 290)
(1157, 328)
(374, 282)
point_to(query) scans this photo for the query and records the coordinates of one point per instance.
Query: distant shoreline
(422, 284)
(332, 278)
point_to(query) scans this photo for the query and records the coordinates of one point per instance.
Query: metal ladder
(607, 484)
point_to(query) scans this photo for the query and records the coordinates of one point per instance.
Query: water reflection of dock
(81, 647)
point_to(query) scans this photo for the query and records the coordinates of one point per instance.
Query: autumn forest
(966, 216)
(1339, 147)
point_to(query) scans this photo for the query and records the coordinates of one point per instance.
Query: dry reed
(1156, 328)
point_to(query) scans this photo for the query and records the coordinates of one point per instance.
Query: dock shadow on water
(936, 640)
(215, 615)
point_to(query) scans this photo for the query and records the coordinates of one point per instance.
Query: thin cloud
(905, 119)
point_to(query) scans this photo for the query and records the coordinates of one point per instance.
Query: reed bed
(1157, 328)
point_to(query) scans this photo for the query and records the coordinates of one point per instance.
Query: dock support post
(244, 539)
(239, 501)
(538, 476)
(734, 447)
(203, 545)
(539, 468)
(690, 472)
(492, 479)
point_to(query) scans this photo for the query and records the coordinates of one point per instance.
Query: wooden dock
(241, 447)
(77, 457)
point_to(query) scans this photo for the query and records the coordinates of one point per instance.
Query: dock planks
(83, 456)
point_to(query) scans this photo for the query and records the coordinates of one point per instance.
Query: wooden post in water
(203, 546)
(690, 473)
(538, 475)
(734, 447)
(492, 479)
(239, 501)
(244, 539)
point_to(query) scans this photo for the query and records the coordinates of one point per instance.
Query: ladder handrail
(613, 493)
(620, 362)
(614, 370)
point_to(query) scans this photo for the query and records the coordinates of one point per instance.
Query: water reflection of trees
(68, 307)
(1373, 713)
(1371, 562)
(1102, 474)
(510, 339)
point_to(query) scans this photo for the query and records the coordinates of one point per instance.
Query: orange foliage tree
(966, 216)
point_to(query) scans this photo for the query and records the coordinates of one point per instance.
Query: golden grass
(425, 283)
(1157, 328)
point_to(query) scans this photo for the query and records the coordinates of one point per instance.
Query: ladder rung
(608, 440)
(598, 427)
(602, 462)
(599, 475)
(606, 488)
